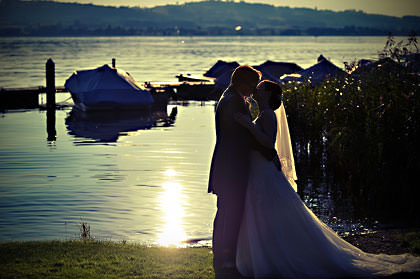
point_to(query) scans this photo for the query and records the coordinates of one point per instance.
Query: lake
(131, 176)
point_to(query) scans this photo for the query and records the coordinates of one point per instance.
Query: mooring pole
(51, 132)
(113, 62)
(50, 77)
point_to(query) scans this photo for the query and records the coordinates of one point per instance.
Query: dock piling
(51, 132)
(50, 77)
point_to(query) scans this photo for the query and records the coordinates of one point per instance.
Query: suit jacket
(229, 165)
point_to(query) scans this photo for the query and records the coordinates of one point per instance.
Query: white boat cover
(317, 73)
(220, 68)
(278, 69)
(106, 87)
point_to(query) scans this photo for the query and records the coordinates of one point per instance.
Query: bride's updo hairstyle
(276, 94)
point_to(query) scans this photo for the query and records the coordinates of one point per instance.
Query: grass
(100, 259)
(105, 259)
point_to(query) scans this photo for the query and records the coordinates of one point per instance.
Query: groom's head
(245, 79)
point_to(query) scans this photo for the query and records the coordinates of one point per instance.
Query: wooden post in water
(51, 132)
(50, 77)
(113, 62)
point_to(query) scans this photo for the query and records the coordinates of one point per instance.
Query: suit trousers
(226, 228)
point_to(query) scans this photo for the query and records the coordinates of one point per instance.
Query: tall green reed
(359, 131)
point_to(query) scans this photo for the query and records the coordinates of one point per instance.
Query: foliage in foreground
(361, 131)
(96, 259)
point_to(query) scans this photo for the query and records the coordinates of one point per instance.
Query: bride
(279, 235)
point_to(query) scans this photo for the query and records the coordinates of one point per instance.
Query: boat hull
(112, 99)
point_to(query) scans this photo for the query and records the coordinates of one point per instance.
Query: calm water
(161, 58)
(128, 176)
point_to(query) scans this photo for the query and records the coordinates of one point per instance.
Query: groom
(229, 167)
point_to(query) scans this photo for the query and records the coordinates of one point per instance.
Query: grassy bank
(97, 259)
(100, 259)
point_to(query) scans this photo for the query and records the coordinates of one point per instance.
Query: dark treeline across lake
(58, 30)
(148, 184)
(215, 18)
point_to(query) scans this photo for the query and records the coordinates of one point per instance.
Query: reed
(359, 132)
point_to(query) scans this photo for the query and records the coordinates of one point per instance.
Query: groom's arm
(266, 135)
(269, 153)
(259, 140)
(232, 128)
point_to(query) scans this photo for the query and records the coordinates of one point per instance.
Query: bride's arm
(267, 136)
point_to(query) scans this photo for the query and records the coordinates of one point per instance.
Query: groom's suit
(229, 174)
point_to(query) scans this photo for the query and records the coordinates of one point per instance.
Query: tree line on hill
(40, 18)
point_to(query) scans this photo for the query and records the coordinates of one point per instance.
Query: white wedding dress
(281, 237)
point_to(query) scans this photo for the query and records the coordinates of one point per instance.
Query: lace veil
(284, 147)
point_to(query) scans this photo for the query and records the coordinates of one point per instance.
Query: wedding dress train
(281, 237)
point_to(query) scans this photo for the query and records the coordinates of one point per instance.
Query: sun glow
(170, 201)
(170, 172)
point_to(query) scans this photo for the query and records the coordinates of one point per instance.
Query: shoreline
(381, 241)
(106, 259)
(387, 241)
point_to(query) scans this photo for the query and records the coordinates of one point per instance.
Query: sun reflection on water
(170, 172)
(170, 201)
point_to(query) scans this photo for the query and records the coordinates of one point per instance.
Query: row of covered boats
(278, 71)
(107, 87)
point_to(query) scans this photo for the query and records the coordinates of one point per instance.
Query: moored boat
(316, 74)
(107, 88)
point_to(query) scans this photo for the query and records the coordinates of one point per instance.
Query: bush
(360, 131)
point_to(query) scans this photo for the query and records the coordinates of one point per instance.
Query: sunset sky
(388, 7)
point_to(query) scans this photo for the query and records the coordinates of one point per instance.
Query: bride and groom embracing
(262, 228)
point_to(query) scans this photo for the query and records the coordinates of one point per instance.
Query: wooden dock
(28, 97)
(24, 98)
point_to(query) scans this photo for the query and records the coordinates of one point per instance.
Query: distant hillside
(196, 18)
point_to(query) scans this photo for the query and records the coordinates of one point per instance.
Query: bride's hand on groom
(243, 119)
